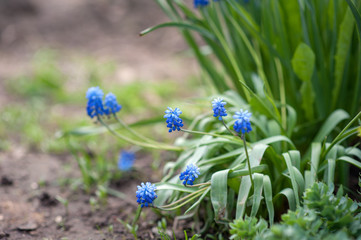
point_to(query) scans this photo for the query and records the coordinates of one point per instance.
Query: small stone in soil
(5, 181)
(29, 226)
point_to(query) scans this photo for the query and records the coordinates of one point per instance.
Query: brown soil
(30, 211)
(104, 30)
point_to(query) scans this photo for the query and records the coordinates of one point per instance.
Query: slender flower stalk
(138, 143)
(141, 137)
(183, 201)
(248, 162)
(243, 125)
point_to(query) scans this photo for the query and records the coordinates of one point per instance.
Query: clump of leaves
(323, 216)
(248, 228)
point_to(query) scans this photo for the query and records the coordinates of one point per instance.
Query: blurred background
(51, 52)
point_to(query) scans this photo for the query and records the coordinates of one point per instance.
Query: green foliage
(323, 216)
(284, 61)
(280, 56)
(247, 228)
(46, 79)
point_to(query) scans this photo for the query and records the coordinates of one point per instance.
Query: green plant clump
(322, 216)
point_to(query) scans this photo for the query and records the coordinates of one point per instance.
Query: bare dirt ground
(104, 30)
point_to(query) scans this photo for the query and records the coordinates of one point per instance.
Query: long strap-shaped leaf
(290, 168)
(315, 161)
(243, 193)
(219, 193)
(267, 188)
(257, 195)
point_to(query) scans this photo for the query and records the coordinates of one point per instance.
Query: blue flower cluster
(95, 103)
(126, 160)
(174, 122)
(190, 174)
(218, 108)
(146, 194)
(111, 103)
(96, 107)
(242, 123)
(200, 3)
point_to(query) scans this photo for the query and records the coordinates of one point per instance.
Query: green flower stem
(132, 131)
(241, 173)
(200, 184)
(183, 198)
(135, 220)
(199, 193)
(248, 162)
(210, 134)
(142, 144)
(245, 149)
(229, 130)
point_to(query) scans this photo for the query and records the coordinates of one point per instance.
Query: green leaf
(223, 157)
(335, 118)
(331, 171)
(350, 161)
(308, 179)
(343, 46)
(291, 120)
(289, 194)
(198, 201)
(315, 160)
(257, 194)
(198, 29)
(356, 14)
(299, 179)
(219, 193)
(275, 139)
(295, 158)
(303, 62)
(174, 187)
(292, 176)
(267, 188)
(256, 154)
(308, 98)
(243, 196)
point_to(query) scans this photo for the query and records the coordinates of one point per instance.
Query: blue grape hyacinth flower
(95, 102)
(242, 123)
(190, 174)
(126, 160)
(146, 194)
(111, 103)
(218, 108)
(174, 122)
(200, 3)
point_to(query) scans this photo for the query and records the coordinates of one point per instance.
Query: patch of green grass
(45, 80)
